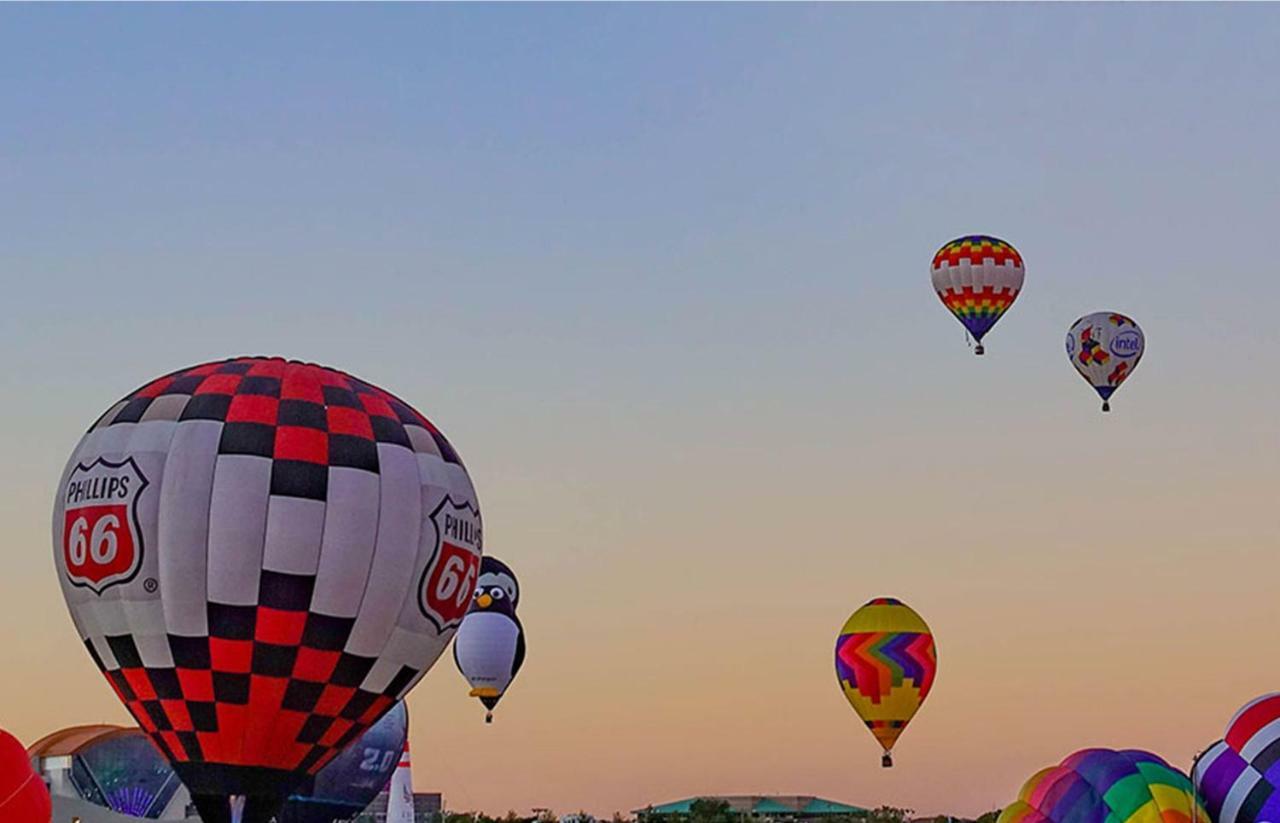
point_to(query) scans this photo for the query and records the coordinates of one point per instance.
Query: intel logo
(1127, 344)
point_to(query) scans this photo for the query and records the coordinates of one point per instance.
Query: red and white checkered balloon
(263, 556)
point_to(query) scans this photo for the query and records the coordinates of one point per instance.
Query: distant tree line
(713, 810)
(704, 810)
(542, 816)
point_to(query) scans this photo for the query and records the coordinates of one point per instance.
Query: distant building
(105, 774)
(788, 806)
(427, 808)
(113, 774)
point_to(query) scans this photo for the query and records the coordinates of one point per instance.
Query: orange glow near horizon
(685, 647)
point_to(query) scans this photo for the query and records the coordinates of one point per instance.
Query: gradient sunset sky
(660, 272)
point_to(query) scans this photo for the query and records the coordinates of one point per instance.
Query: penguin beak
(484, 601)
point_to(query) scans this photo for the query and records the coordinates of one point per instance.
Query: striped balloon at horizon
(1239, 775)
(263, 556)
(977, 277)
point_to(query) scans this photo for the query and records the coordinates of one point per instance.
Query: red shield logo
(450, 577)
(101, 539)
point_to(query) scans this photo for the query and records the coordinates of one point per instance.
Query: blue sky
(661, 264)
(601, 177)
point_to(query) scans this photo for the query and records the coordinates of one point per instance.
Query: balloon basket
(978, 350)
(886, 761)
(488, 717)
(1106, 406)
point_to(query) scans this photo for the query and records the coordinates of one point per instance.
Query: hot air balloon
(977, 278)
(23, 796)
(263, 556)
(1106, 786)
(354, 778)
(886, 663)
(489, 648)
(1238, 776)
(1105, 348)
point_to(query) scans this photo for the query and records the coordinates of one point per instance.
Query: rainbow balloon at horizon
(1107, 786)
(886, 664)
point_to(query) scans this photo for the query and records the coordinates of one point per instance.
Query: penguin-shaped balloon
(489, 645)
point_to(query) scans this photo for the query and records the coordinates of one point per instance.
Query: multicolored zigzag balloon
(886, 663)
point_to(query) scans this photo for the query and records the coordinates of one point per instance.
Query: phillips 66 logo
(101, 540)
(450, 577)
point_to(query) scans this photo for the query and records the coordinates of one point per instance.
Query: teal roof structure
(819, 806)
(761, 806)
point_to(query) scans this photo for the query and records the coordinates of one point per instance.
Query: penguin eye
(479, 591)
(498, 594)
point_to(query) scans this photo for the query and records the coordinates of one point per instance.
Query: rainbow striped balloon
(977, 277)
(1238, 776)
(1107, 786)
(886, 663)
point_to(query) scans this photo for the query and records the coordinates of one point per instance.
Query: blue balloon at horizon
(345, 787)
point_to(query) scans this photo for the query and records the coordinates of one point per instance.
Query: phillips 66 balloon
(886, 664)
(978, 278)
(263, 556)
(1105, 348)
(1239, 776)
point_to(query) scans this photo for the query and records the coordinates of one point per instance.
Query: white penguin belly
(486, 649)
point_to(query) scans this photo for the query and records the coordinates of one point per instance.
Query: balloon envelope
(263, 556)
(886, 664)
(23, 795)
(1239, 775)
(350, 783)
(489, 648)
(977, 277)
(1105, 348)
(1106, 786)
